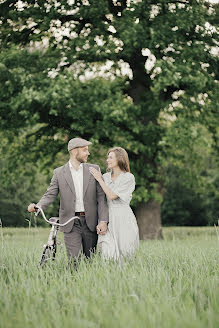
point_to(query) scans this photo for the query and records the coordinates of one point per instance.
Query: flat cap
(77, 142)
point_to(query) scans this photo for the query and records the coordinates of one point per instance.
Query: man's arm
(50, 195)
(103, 211)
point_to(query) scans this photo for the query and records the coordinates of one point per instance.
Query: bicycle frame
(49, 249)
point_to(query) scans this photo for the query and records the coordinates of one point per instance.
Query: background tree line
(139, 74)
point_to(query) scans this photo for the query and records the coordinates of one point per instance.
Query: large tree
(160, 55)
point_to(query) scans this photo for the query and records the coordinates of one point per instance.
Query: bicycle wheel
(48, 255)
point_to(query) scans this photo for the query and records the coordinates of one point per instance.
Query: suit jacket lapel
(86, 177)
(68, 177)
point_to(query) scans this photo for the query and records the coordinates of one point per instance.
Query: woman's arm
(98, 176)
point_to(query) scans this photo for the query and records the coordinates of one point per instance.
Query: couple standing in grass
(100, 202)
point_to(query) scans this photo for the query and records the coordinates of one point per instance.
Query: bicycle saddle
(54, 220)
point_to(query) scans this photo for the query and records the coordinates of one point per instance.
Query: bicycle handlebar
(39, 210)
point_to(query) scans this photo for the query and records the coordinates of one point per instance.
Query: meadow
(172, 283)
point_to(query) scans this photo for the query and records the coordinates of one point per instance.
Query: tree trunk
(149, 220)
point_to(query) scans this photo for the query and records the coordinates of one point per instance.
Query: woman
(122, 237)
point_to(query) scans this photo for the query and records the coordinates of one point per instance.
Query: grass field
(171, 283)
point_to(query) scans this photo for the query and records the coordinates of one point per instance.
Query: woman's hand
(96, 174)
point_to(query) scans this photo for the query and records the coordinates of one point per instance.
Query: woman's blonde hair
(122, 158)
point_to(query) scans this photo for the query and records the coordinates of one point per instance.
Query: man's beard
(80, 159)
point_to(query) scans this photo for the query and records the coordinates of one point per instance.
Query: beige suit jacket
(95, 203)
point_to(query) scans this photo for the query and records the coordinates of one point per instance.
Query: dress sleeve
(105, 177)
(125, 187)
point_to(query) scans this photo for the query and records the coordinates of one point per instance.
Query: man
(80, 195)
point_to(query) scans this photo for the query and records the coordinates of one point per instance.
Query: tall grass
(171, 283)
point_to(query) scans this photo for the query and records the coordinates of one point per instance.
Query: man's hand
(102, 228)
(31, 208)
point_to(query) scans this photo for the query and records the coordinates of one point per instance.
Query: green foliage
(191, 179)
(22, 182)
(182, 206)
(48, 48)
(211, 197)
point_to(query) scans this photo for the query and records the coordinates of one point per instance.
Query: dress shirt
(77, 176)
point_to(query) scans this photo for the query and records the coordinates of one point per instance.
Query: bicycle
(49, 249)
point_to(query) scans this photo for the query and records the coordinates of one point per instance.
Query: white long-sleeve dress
(122, 237)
